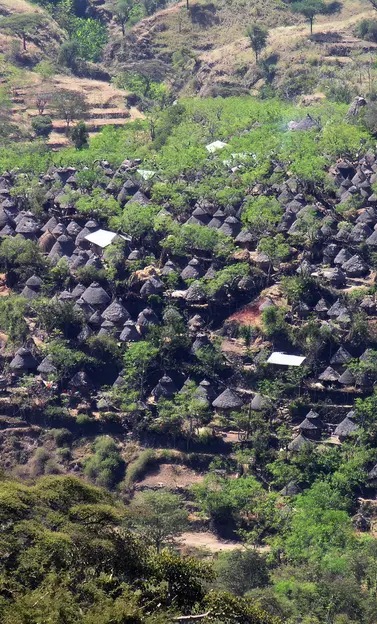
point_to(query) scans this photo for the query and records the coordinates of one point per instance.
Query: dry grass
(15, 6)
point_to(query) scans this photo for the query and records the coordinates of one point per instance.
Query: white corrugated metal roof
(145, 173)
(285, 360)
(216, 145)
(103, 238)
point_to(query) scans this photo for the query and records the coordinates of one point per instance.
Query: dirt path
(211, 542)
(208, 541)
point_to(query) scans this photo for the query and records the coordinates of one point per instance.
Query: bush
(106, 466)
(139, 467)
(62, 437)
(80, 135)
(42, 126)
(367, 29)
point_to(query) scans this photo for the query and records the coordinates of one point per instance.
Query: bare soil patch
(171, 476)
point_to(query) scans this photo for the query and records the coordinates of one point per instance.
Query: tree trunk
(311, 25)
(256, 56)
(187, 4)
(123, 29)
(24, 41)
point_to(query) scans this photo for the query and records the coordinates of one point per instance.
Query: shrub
(42, 126)
(106, 466)
(62, 437)
(367, 29)
(137, 469)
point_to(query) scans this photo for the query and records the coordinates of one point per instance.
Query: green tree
(262, 213)
(159, 517)
(23, 25)
(122, 13)
(240, 571)
(139, 359)
(42, 125)
(20, 259)
(12, 317)
(258, 36)
(80, 135)
(311, 8)
(106, 466)
(70, 105)
(98, 205)
(91, 36)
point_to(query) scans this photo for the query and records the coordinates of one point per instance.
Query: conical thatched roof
(134, 255)
(153, 286)
(347, 426)
(312, 415)
(116, 313)
(95, 295)
(347, 378)
(59, 230)
(341, 356)
(50, 225)
(291, 489)
(336, 309)
(78, 290)
(23, 361)
(129, 332)
(310, 425)
(191, 271)
(231, 227)
(7, 230)
(147, 317)
(260, 403)
(228, 399)
(165, 388)
(195, 293)
(355, 266)
(200, 342)
(46, 242)
(46, 367)
(34, 282)
(329, 374)
(73, 229)
(321, 306)
(299, 442)
(372, 474)
(80, 381)
(27, 225)
(342, 257)
(29, 293)
(168, 268)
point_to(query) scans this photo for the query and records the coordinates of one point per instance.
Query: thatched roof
(228, 399)
(336, 309)
(59, 230)
(200, 342)
(50, 225)
(147, 317)
(342, 356)
(291, 489)
(27, 225)
(355, 266)
(321, 306)
(260, 403)
(96, 318)
(165, 388)
(347, 426)
(310, 425)
(347, 378)
(305, 124)
(73, 229)
(64, 246)
(134, 255)
(312, 415)
(129, 332)
(23, 361)
(372, 474)
(80, 380)
(34, 282)
(7, 230)
(231, 227)
(360, 232)
(267, 303)
(138, 198)
(78, 290)
(342, 256)
(46, 241)
(299, 442)
(46, 367)
(329, 374)
(372, 240)
(153, 286)
(192, 270)
(195, 293)
(95, 295)
(168, 268)
(116, 313)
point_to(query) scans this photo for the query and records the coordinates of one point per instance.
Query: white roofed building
(100, 239)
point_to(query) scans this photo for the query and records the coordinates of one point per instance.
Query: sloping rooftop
(104, 238)
(285, 360)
